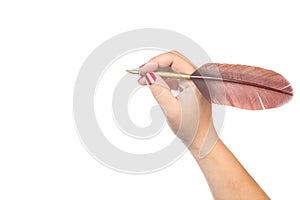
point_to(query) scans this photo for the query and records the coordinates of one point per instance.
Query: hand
(189, 115)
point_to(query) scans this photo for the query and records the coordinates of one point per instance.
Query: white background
(42, 47)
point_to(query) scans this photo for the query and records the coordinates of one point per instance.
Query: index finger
(175, 60)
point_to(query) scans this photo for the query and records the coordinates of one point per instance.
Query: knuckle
(175, 52)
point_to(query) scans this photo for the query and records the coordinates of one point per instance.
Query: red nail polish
(150, 78)
(147, 80)
(142, 65)
(153, 76)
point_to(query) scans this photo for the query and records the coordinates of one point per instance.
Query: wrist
(202, 146)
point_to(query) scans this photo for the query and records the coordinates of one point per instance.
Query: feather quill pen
(241, 86)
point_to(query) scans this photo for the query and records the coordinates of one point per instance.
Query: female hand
(190, 117)
(188, 114)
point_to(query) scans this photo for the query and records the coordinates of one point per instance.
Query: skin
(225, 176)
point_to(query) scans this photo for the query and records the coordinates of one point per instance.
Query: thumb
(162, 93)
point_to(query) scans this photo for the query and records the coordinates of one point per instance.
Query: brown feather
(242, 86)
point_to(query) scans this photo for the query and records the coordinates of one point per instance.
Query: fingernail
(149, 67)
(150, 78)
(142, 81)
(142, 65)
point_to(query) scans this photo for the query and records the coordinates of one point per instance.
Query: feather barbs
(242, 86)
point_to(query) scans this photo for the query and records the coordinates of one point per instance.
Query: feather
(242, 86)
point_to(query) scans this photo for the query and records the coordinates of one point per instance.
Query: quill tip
(132, 71)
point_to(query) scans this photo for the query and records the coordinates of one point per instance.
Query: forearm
(226, 177)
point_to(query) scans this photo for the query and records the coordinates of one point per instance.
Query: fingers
(160, 88)
(147, 67)
(162, 94)
(142, 81)
(174, 60)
